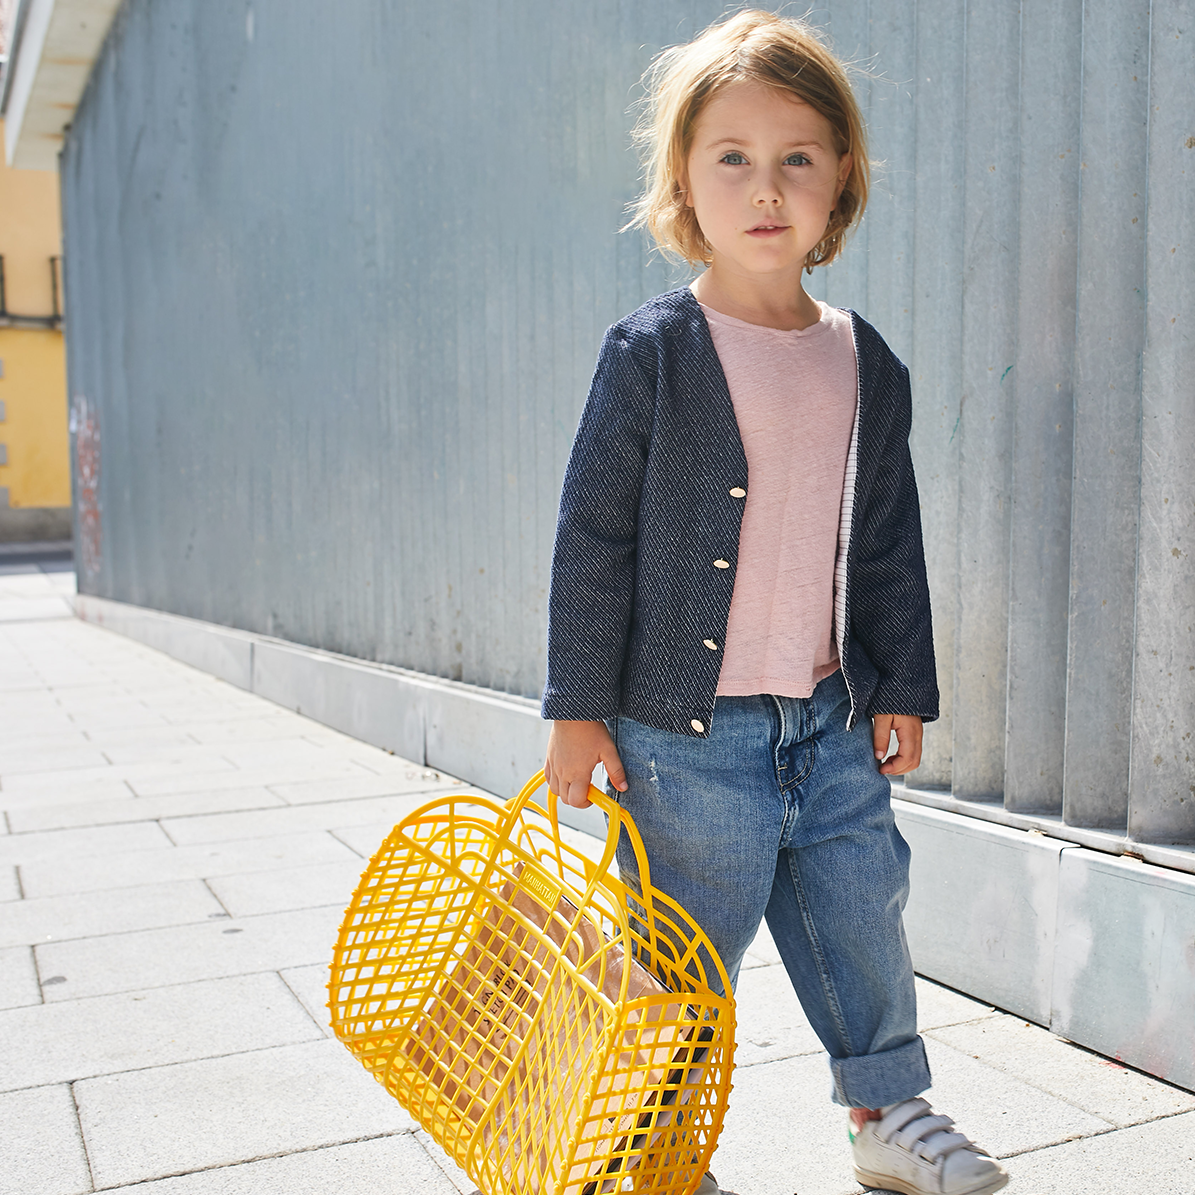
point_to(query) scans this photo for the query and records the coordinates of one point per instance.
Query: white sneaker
(909, 1149)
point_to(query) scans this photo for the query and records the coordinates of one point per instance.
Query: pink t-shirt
(794, 395)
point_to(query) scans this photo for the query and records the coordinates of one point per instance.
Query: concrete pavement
(174, 861)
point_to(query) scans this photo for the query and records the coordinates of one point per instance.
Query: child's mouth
(767, 230)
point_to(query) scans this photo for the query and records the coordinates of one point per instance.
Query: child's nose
(767, 188)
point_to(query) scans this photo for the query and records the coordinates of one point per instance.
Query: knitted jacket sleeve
(889, 613)
(593, 562)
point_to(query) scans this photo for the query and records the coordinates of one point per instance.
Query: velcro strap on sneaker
(927, 1136)
(898, 1117)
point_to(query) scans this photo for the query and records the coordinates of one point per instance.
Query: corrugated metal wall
(336, 278)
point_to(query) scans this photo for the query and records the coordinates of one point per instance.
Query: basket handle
(619, 819)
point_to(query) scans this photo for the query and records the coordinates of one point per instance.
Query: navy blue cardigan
(649, 522)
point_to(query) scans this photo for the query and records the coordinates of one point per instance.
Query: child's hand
(574, 750)
(908, 737)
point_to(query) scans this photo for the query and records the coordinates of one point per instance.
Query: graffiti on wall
(85, 428)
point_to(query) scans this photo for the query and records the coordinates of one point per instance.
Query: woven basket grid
(508, 1023)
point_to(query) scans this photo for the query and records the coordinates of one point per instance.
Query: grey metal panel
(892, 129)
(379, 706)
(935, 364)
(1109, 335)
(338, 338)
(998, 890)
(1051, 67)
(352, 331)
(985, 428)
(1124, 971)
(1162, 775)
(846, 24)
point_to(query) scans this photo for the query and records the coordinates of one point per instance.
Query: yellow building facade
(35, 482)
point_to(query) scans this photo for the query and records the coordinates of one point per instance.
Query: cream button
(738, 492)
(698, 725)
(721, 564)
(710, 644)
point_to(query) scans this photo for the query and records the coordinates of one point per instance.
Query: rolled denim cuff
(876, 1080)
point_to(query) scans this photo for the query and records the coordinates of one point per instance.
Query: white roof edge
(56, 45)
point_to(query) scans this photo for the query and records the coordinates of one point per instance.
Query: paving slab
(41, 1152)
(268, 723)
(27, 758)
(173, 1119)
(762, 952)
(149, 906)
(289, 819)
(122, 717)
(293, 750)
(90, 792)
(292, 888)
(245, 777)
(1002, 1113)
(79, 1039)
(140, 743)
(135, 809)
(365, 838)
(39, 703)
(1100, 1086)
(405, 780)
(771, 1024)
(394, 1165)
(10, 883)
(1150, 1159)
(165, 756)
(18, 977)
(35, 609)
(310, 986)
(44, 730)
(193, 715)
(782, 1134)
(938, 1005)
(196, 763)
(460, 1181)
(128, 869)
(182, 954)
(28, 723)
(88, 841)
(378, 759)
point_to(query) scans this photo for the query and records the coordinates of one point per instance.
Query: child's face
(763, 178)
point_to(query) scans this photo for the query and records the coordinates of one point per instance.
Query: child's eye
(797, 160)
(733, 158)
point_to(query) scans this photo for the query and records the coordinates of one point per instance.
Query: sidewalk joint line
(309, 1149)
(82, 1136)
(1116, 1128)
(216, 896)
(162, 1066)
(324, 1029)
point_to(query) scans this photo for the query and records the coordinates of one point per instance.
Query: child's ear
(844, 172)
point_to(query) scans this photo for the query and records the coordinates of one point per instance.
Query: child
(738, 585)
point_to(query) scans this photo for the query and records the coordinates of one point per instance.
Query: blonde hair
(763, 48)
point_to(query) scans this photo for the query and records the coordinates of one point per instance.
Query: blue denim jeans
(781, 814)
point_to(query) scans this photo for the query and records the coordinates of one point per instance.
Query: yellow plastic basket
(556, 1032)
